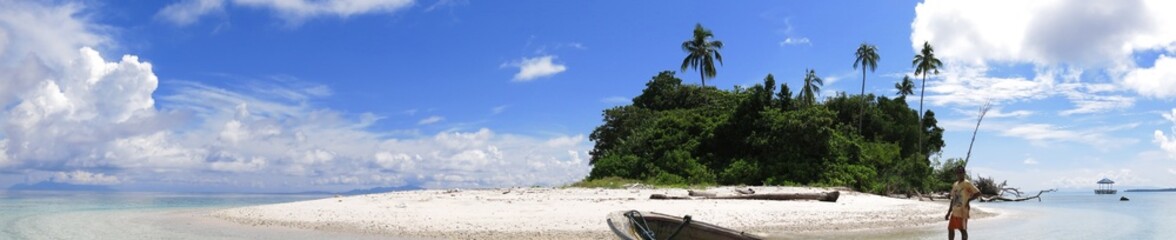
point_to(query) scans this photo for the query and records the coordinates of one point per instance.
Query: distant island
(362, 191)
(56, 186)
(1152, 190)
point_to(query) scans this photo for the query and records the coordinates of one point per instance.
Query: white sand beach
(579, 213)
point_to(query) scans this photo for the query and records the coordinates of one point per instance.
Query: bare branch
(983, 111)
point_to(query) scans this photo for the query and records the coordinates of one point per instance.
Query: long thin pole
(983, 111)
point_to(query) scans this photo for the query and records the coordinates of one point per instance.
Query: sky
(301, 95)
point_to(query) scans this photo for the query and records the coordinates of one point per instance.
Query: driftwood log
(824, 197)
(693, 193)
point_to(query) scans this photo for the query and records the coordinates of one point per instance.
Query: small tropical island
(809, 164)
(676, 134)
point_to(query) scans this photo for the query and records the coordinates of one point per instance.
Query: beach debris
(748, 191)
(637, 186)
(693, 193)
(823, 196)
(1001, 197)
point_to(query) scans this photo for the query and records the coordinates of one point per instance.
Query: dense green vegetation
(675, 134)
(688, 134)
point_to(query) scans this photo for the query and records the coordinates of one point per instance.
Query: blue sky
(261, 95)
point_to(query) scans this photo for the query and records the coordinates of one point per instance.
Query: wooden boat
(644, 225)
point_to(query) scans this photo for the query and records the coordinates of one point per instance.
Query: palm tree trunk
(862, 113)
(922, 90)
(702, 76)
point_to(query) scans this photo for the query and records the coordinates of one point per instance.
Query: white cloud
(1089, 103)
(537, 67)
(1039, 133)
(1050, 35)
(446, 4)
(1167, 143)
(189, 11)
(829, 80)
(85, 178)
(795, 41)
(80, 118)
(969, 86)
(55, 38)
(499, 109)
(1086, 178)
(1043, 32)
(430, 120)
(1030, 161)
(997, 112)
(294, 12)
(1159, 81)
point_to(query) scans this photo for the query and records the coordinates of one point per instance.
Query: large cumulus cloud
(1062, 40)
(74, 116)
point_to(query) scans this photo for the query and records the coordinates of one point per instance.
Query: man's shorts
(957, 223)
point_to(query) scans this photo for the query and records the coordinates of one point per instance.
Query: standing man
(962, 193)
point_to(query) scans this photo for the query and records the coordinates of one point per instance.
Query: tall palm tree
(701, 54)
(906, 87)
(867, 56)
(812, 86)
(925, 63)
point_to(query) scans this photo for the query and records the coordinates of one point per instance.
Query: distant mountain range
(1152, 190)
(56, 186)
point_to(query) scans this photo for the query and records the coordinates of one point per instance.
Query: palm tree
(867, 56)
(906, 87)
(812, 86)
(701, 54)
(925, 63)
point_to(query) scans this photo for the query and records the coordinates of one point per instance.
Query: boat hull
(663, 226)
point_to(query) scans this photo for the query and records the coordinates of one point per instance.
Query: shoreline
(579, 213)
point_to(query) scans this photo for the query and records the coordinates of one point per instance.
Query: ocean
(123, 215)
(1064, 215)
(80, 215)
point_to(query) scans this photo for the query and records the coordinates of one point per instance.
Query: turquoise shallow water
(1084, 215)
(1065, 215)
(83, 215)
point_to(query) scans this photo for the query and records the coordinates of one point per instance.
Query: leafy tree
(812, 86)
(905, 87)
(867, 57)
(702, 53)
(925, 63)
(784, 98)
(688, 134)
